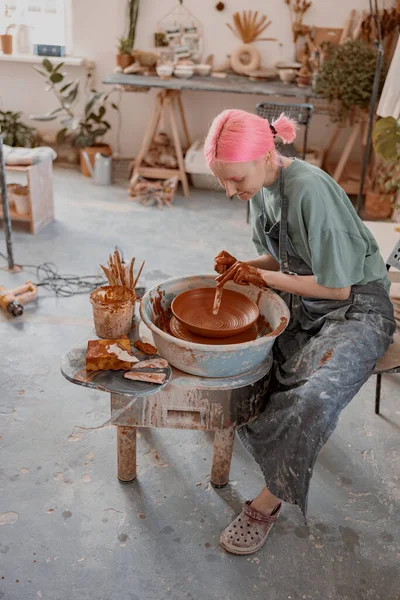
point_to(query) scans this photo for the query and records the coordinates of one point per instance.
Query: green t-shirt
(323, 226)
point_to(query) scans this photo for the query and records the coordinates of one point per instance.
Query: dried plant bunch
(248, 26)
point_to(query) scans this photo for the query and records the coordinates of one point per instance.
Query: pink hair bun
(240, 136)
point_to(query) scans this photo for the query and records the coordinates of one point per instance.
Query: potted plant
(386, 141)
(15, 133)
(383, 184)
(84, 130)
(124, 57)
(346, 78)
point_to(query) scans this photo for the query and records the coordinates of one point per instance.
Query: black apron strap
(283, 232)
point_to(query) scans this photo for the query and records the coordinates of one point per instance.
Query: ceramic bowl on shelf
(287, 75)
(202, 70)
(164, 71)
(184, 71)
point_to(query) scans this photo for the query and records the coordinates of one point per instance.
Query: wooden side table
(40, 184)
(184, 402)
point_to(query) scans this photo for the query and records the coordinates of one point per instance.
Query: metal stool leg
(248, 213)
(378, 393)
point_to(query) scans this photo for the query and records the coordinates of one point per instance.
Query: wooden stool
(167, 103)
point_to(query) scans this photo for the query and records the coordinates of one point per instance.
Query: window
(47, 20)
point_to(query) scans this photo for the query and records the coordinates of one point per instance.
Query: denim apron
(321, 360)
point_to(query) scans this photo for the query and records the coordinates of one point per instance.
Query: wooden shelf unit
(40, 184)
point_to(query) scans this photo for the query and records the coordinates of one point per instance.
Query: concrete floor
(69, 530)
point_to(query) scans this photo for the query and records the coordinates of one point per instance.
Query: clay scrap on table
(146, 377)
(145, 348)
(155, 363)
(122, 354)
(98, 357)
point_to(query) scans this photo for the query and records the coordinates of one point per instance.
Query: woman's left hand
(243, 274)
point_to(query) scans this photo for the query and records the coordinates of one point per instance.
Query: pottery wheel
(194, 310)
(181, 332)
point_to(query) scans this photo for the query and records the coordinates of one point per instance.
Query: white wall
(98, 23)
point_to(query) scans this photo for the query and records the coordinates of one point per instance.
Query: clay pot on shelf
(378, 206)
(91, 152)
(124, 60)
(6, 43)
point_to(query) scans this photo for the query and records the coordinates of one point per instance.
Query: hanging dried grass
(248, 26)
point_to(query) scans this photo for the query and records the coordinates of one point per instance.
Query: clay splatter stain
(141, 516)
(207, 545)
(8, 518)
(326, 357)
(67, 514)
(86, 478)
(123, 537)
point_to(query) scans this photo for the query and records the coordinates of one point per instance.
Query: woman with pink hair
(319, 256)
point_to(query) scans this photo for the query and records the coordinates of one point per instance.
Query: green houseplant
(385, 176)
(84, 129)
(383, 185)
(14, 131)
(124, 57)
(346, 78)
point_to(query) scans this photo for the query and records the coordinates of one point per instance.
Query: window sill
(72, 61)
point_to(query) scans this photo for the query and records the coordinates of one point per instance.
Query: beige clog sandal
(249, 531)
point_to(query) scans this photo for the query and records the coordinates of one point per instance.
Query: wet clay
(161, 316)
(145, 348)
(194, 309)
(114, 296)
(181, 332)
(281, 327)
(326, 357)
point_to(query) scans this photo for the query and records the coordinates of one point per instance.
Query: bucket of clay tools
(113, 311)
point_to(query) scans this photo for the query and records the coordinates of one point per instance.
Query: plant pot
(378, 206)
(124, 60)
(6, 43)
(91, 152)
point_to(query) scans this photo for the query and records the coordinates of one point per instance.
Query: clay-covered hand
(243, 274)
(223, 261)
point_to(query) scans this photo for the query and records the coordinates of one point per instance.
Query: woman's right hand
(223, 261)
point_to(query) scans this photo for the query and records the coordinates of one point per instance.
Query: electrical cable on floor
(62, 285)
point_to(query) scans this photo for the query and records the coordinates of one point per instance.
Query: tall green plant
(14, 132)
(346, 78)
(133, 14)
(82, 129)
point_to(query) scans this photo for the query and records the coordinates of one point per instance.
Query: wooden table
(168, 103)
(184, 402)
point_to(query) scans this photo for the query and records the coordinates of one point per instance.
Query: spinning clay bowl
(212, 360)
(194, 309)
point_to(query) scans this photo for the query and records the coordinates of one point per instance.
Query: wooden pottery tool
(217, 299)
